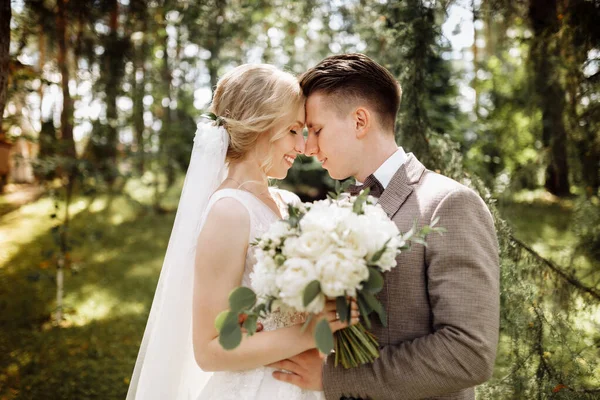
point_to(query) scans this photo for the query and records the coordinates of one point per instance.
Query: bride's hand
(331, 315)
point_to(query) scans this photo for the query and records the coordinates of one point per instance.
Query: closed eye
(293, 131)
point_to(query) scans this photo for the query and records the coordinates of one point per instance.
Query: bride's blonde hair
(253, 99)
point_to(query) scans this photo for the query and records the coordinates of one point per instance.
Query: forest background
(99, 102)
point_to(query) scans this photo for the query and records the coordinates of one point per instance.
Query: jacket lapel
(401, 185)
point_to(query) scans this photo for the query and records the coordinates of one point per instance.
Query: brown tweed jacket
(442, 300)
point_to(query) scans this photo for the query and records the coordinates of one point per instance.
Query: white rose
(340, 273)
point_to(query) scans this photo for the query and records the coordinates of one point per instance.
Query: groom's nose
(311, 147)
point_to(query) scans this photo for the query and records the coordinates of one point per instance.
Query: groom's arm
(463, 288)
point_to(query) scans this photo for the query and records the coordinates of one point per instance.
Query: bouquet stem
(354, 346)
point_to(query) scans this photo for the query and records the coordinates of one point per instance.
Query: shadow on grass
(119, 256)
(94, 361)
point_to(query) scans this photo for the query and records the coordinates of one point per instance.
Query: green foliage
(324, 337)
(586, 220)
(241, 299)
(312, 290)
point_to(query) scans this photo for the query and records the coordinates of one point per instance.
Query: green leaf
(338, 187)
(324, 337)
(375, 282)
(311, 291)
(361, 199)
(342, 308)
(375, 305)
(380, 252)
(230, 335)
(250, 324)
(364, 311)
(346, 184)
(220, 320)
(230, 339)
(241, 298)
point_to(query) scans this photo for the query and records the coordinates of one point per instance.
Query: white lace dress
(257, 383)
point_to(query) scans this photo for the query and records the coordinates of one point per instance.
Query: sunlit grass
(117, 255)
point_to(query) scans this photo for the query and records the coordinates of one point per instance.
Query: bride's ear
(362, 122)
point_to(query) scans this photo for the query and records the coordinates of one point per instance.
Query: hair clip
(212, 116)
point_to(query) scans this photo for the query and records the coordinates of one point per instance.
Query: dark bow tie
(372, 183)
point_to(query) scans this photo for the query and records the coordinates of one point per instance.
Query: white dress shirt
(388, 169)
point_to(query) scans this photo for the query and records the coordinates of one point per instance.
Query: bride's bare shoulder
(227, 216)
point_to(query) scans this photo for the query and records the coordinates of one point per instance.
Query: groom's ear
(362, 122)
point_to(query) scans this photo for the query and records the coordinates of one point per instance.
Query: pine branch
(559, 271)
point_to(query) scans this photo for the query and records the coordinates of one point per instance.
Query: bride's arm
(220, 259)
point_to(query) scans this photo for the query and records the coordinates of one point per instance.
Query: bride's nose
(300, 144)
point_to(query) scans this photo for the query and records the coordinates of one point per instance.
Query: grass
(107, 298)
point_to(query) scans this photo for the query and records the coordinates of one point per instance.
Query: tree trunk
(66, 118)
(5, 16)
(215, 44)
(165, 137)
(550, 93)
(475, 51)
(112, 68)
(139, 91)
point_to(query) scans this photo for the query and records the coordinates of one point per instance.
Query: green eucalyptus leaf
(375, 305)
(230, 336)
(364, 311)
(241, 298)
(311, 291)
(324, 337)
(375, 282)
(220, 320)
(250, 324)
(380, 252)
(342, 308)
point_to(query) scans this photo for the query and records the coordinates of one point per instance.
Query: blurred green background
(100, 102)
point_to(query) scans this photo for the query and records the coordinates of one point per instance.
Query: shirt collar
(387, 170)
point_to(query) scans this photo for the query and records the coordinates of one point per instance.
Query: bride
(226, 203)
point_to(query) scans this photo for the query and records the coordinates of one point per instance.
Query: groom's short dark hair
(355, 76)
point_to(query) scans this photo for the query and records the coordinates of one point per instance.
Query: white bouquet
(336, 248)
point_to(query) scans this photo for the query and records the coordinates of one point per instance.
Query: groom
(442, 300)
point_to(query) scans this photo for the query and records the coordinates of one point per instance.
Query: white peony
(264, 273)
(292, 278)
(310, 245)
(341, 274)
(324, 216)
(276, 234)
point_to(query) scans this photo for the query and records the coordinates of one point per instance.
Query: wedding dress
(165, 368)
(257, 383)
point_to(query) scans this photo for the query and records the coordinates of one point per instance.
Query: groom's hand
(304, 370)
